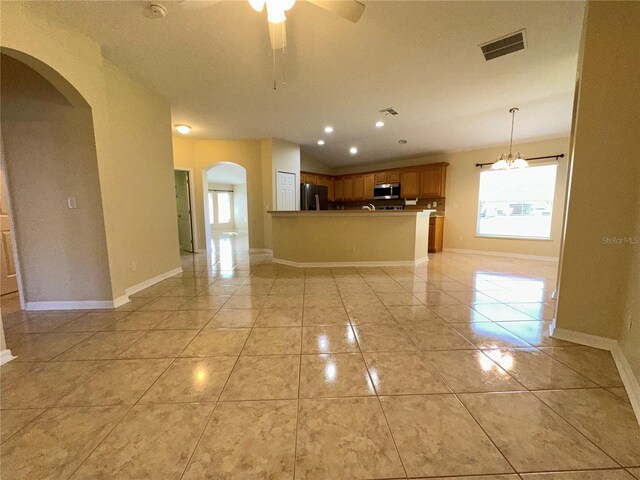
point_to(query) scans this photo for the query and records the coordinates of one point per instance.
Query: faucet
(366, 207)
(373, 207)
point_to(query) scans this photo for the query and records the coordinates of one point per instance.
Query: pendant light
(506, 161)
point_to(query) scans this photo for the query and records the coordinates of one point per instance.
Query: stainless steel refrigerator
(313, 197)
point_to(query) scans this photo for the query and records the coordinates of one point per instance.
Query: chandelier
(509, 160)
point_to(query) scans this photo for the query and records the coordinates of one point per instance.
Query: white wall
(240, 207)
(312, 164)
(285, 157)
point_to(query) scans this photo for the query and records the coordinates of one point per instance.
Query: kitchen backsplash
(422, 204)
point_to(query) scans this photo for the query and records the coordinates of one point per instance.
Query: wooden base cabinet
(436, 234)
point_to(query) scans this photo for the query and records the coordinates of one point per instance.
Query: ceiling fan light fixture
(328, 129)
(275, 8)
(379, 124)
(320, 142)
(257, 5)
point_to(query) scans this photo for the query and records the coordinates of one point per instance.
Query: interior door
(183, 204)
(286, 191)
(8, 278)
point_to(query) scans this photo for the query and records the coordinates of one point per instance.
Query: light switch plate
(71, 202)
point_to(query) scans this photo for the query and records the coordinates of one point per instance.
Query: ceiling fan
(350, 10)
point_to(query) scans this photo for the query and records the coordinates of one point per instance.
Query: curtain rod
(214, 190)
(556, 157)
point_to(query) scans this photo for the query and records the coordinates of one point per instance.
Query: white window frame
(519, 237)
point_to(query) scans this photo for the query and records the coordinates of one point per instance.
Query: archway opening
(54, 206)
(226, 212)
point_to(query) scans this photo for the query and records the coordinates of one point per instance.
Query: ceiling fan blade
(349, 9)
(278, 35)
(197, 4)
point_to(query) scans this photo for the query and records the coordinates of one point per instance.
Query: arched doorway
(50, 164)
(226, 210)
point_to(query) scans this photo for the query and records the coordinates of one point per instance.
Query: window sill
(504, 237)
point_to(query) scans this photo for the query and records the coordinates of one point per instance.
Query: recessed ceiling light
(328, 129)
(379, 124)
(320, 142)
(402, 142)
(183, 129)
(353, 150)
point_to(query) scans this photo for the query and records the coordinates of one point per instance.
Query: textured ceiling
(214, 65)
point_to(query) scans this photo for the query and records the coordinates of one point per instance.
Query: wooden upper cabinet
(312, 179)
(348, 188)
(339, 189)
(433, 180)
(410, 183)
(331, 188)
(358, 187)
(303, 177)
(380, 177)
(369, 182)
(393, 176)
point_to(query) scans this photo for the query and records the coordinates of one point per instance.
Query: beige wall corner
(598, 289)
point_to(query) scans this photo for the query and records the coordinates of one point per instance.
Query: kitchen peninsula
(330, 238)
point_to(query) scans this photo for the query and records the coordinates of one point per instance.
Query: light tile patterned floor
(241, 368)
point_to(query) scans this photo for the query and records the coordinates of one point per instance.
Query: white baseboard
(117, 302)
(70, 305)
(594, 341)
(629, 380)
(5, 356)
(152, 281)
(101, 304)
(403, 263)
(261, 250)
(501, 254)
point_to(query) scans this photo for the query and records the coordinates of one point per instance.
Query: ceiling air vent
(503, 46)
(388, 111)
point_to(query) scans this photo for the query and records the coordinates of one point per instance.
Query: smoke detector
(157, 11)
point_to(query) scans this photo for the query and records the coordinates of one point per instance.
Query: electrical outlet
(71, 202)
(134, 266)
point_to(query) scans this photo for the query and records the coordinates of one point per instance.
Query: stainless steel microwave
(386, 191)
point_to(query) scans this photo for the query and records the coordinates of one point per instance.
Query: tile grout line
(295, 444)
(384, 415)
(208, 421)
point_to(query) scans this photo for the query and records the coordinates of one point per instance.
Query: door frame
(14, 243)
(192, 204)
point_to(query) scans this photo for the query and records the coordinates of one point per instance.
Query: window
(224, 207)
(220, 207)
(516, 203)
(212, 218)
